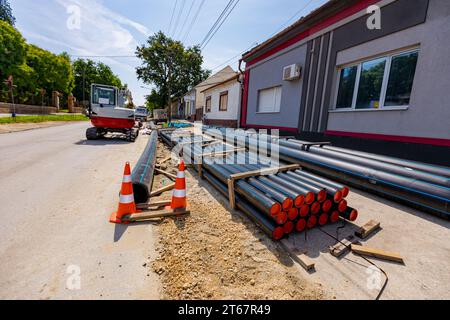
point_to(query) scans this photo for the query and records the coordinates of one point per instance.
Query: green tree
(46, 71)
(6, 12)
(87, 72)
(13, 49)
(169, 66)
(155, 101)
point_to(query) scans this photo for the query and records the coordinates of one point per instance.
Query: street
(57, 192)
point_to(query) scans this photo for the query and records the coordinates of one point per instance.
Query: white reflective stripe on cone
(181, 175)
(126, 199)
(126, 179)
(179, 193)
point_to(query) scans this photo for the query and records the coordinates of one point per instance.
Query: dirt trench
(216, 253)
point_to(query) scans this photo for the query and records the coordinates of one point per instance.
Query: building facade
(379, 88)
(213, 80)
(222, 103)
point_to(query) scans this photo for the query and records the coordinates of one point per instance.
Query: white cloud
(102, 32)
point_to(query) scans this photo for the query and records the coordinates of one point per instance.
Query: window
(223, 101)
(370, 82)
(269, 100)
(208, 104)
(377, 83)
(103, 95)
(346, 87)
(401, 77)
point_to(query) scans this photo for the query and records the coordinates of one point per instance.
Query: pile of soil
(216, 253)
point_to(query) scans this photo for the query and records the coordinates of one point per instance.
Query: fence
(26, 109)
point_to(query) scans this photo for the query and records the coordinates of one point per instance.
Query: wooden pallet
(155, 210)
(368, 229)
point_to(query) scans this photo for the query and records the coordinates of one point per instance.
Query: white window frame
(384, 86)
(258, 100)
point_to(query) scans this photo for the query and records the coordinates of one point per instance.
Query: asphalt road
(57, 192)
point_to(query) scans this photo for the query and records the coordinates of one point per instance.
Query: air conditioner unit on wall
(292, 72)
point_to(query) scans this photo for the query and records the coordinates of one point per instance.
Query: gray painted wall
(268, 75)
(429, 111)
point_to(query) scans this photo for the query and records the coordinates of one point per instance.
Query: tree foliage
(36, 71)
(6, 12)
(154, 101)
(13, 49)
(170, 67)
(87, 72)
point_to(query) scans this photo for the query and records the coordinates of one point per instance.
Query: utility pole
(10, 83)
(169, 88)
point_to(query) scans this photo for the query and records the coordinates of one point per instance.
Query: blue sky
(116, 27)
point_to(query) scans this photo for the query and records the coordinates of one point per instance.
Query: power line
(187, 18)
(278, 30)
(235, 57)
(171, 19)
(194, 20)
(290, 19)
(217, 22)
(100, 56)
(223, 21)
(183, 3)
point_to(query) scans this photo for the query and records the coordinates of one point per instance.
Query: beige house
(217, 78)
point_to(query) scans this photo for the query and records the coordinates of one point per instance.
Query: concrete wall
(26, 109)
(234, 97)
(429, 113)
(270, 74)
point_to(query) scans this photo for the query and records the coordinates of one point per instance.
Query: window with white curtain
(374, 84)
(269, 100)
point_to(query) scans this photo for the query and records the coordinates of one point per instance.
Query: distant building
(222, 103)
(189, 105)
(335, 75)
(216, 78)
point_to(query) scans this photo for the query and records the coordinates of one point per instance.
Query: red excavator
(108, 114)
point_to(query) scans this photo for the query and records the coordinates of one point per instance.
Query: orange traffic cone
(127, 205)
(179, 193)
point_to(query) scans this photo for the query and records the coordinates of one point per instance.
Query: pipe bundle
(279, 203)
(423, 186)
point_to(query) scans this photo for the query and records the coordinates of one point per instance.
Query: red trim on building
(373, 136)
(255, 126)
(363, 4)
(316, 28)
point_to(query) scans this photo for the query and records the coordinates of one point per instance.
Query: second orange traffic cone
(127, 205)
(179, 193)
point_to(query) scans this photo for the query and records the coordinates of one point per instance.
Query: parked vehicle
(141, 114)
(160, 115)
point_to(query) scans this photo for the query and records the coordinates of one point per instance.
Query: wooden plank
(200, 170)
(302, 259)
(155, 215)
(340, 249)
(154, 205)
(231, 194)
(377, 253)
(249, 174)
(306, 262)
(167, 174)
(164, 160)
(162, 190)
(208, 144)
(367, 229)
(222, 153)
(194, 142)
